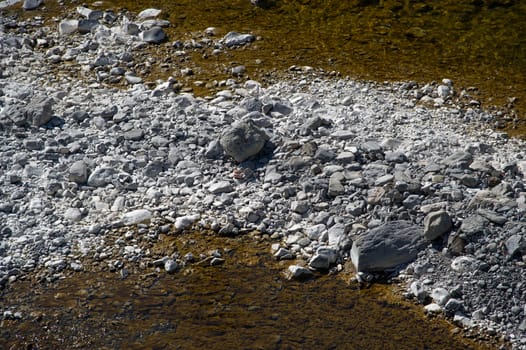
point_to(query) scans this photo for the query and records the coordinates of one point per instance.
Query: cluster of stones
(109, 42)
(330, 169)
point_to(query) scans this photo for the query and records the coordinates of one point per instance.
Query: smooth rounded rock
(155, 35)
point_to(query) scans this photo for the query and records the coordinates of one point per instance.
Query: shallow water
(246, 303)
(474, 43)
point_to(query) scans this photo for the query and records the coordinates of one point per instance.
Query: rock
(336, 187)
(473, 225)
(68, 26)
(39, 111)
(73, 214)
(329, 252)
(184, 222)
(31, 4)
(436, 224)
(87, 25)
(440, 296)
(433, 308)
(300, 207)
(148, 13)
(214, 150)
(237, 39)
(319, 262)
(515, 244)
(492, 216)
(417, 289)
(155, 35)
(465, 264)
(283, 254)
(101, 176)
(295, 272)
(136, 217)
(134, 135)
(243, 140)
(459, 159)
(220, 187)
(78, 172)
(170, 265)
(239, 70)
(387, 246)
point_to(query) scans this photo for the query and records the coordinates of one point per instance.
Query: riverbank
(478, 45)
(339, 157)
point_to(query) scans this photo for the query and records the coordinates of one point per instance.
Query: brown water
(246, 303)
(476, 43)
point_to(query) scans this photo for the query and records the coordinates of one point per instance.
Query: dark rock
(387, 246)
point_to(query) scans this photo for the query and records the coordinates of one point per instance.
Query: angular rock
(473, 224)
(387, 246)
(319, 262)
(417, 289)
(78, 172)
(336, 187)
(87, 25)
(437, 224)
(40, 110)
(101, 176)
(68, 26)
(440, 296)
(298, 272)
(243, 140)
(459, 159)
(515, 244)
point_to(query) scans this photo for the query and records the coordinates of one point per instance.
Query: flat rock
(387, 246)
(136, 217)
(149, 13)
(221, 187)
(237, 39)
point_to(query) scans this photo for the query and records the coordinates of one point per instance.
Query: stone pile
(332, 170)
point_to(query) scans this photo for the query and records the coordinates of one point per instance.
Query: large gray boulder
(389, 245)
(243, 140)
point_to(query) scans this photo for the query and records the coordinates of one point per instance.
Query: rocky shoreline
(331, 169)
